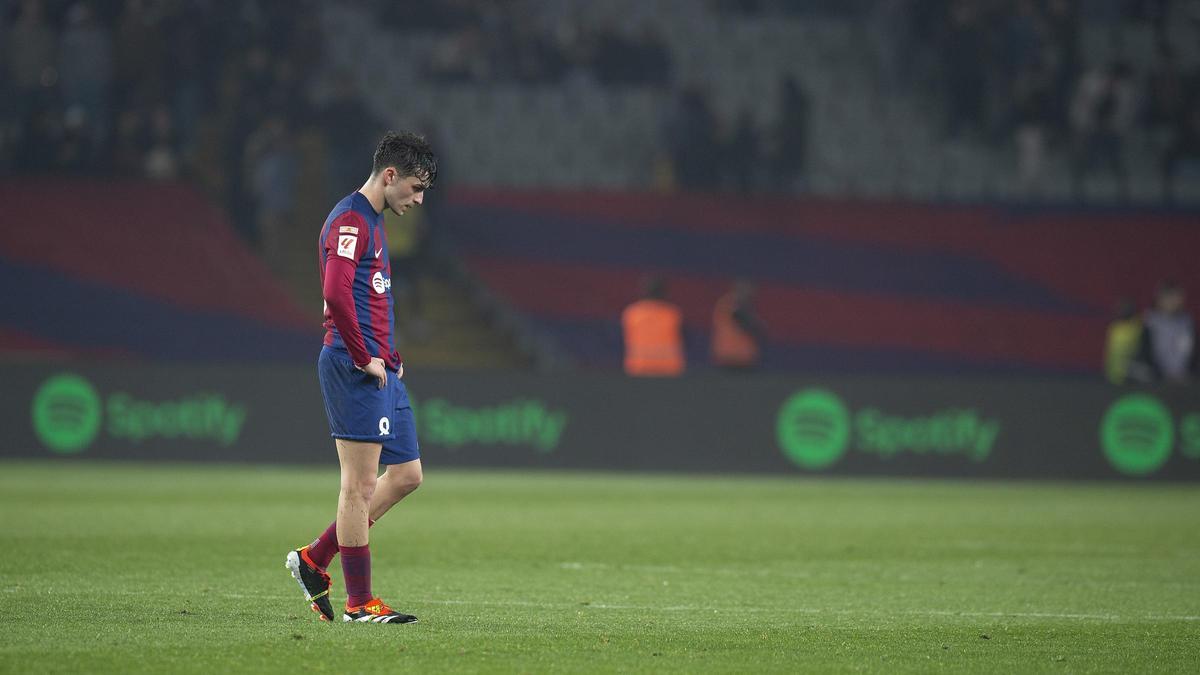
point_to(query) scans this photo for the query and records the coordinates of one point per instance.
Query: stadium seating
(863, 142)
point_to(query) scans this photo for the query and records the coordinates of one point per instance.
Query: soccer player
(369, 414)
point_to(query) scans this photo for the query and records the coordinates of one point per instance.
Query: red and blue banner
(842, 286)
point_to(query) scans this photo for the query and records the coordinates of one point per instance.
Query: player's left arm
(344, 248)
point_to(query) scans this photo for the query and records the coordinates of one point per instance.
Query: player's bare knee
(412, 481)
(400, 487)
(402, 481)
(359, 490)
(407, 488)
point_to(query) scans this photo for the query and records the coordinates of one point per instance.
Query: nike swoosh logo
(378, 252)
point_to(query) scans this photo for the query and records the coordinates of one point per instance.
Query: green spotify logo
(66, 413)
(813, 428)
(518, 422)
(69, 415)
(1137, 434)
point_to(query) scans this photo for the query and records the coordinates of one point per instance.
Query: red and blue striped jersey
(356, 282)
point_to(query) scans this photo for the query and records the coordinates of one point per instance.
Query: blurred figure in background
(130, 143)
(744, 156)
(271, 163)
(161, 161)
(1033, 107)
(140, 55)
(791, 138)
(349, 132)
(29, 50)
(691, 135)
(738, 333)
(1166, 86)
(653, 329)
(1183, 150)
(85, 70)
(1172, 115)
(1102, 115)
(1122, 345)
(963, 59)
(1169, 345)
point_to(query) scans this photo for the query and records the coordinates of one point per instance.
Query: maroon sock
(322, 550)
(356, 569)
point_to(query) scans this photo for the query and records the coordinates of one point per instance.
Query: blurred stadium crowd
(271, 109)
(1068, 99)
(199, 91)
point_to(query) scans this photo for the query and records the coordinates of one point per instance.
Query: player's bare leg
(397, 482)
(360, 462)
(308, 563)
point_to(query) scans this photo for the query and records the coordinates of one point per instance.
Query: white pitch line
(743, 609)
(806, 574)
(1043, 615)
(737, 609)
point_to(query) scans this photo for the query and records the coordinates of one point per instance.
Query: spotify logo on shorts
(813, 428)
(1137, 434)
(66, 413)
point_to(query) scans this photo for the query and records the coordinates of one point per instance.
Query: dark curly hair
(409, 154)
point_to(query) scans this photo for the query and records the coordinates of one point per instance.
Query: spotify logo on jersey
(813, 428)
(66, 413)
(1137, 434)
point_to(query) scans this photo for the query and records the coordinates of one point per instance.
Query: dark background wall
(962, 427)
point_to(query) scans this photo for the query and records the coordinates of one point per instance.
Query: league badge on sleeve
(346, 246)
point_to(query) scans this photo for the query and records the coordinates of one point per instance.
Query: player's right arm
(345, 244)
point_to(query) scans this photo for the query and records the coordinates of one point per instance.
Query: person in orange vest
(738, 333)
(653, 331)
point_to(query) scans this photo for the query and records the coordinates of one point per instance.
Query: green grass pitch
(130, 568)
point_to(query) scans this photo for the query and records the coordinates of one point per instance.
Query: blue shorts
(359, 410)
